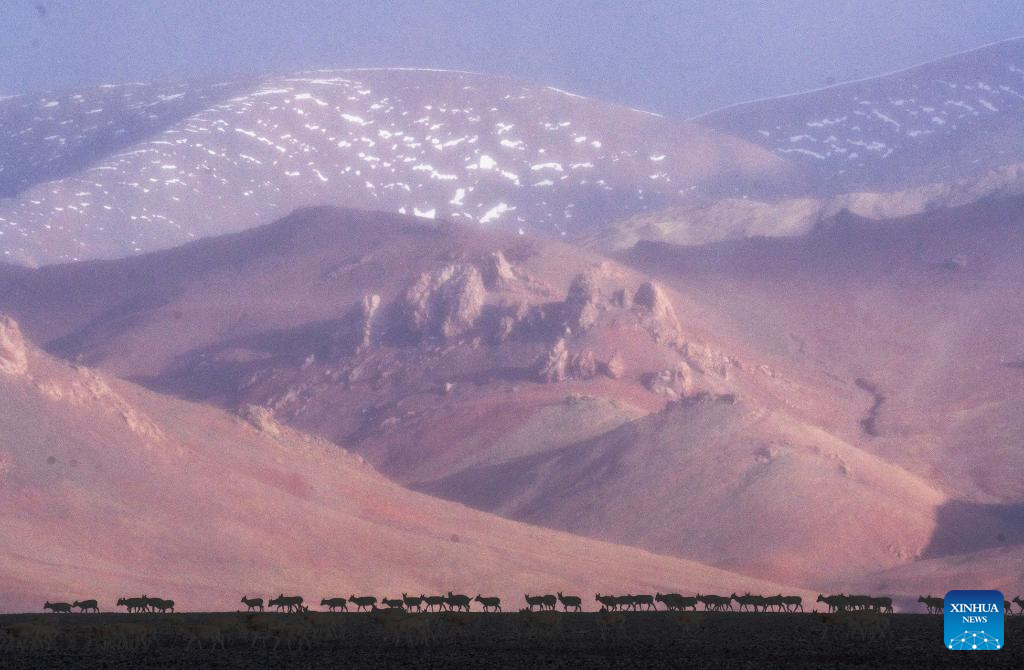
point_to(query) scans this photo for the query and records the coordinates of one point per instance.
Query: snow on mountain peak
(119, 169)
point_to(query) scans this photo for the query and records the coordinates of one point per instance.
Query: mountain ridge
(437, 144)
(938, 121)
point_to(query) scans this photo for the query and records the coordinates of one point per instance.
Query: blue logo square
(973, 620)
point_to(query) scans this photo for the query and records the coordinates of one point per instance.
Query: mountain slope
(946, 120)
(444, 352)
(921, 316)
(744, 488)
(365, 326)
(116, 170)
(108, 489)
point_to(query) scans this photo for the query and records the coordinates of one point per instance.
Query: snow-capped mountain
(945, 120)
(116, 170)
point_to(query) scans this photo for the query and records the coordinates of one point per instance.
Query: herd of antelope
(851, 619)
(452, 602)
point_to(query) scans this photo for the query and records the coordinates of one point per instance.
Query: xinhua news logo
(973, 620)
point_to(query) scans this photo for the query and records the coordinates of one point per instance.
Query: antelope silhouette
(412, 602)
(744, 601)
(457, 602)
(134, 605)
(252, 603)
(834, 603)
(882, 605)
(363, 602)
(86, 605)
(676, 602)
(395, 604)
(334, 603)
(62, 608)
(668, 599)
(489, 604)
(626, 602)
(794, 603)
(543, 602)
(159, 604)
(934, 605)
(646, 600)
(713, 603)
(433, 602)
(287, 603)
(573, 602)
(1020, 604)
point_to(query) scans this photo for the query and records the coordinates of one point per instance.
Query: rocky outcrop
(444, 303)
(673, 383)
(706, 360)
(583, 365)
(368, 307)
(497, 271)
(582, 304)
(614, 367)
(86, 388)
(260, 418)
(553, 364)
(621, 299)
(507, 317)
(659, 314)
(13, 352)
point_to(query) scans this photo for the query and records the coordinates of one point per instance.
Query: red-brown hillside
(111, 490)
(440, 352)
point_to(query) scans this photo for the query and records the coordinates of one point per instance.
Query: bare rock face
(673, 383)
(582, 303)
(445, 302)
(706, 360)
(583, 365)
(621, 299)
(368, 307)
(615, 366)
(507, 316)
(553, 365)
(260, 418)
(660, 314)
(13, 352)
(86, 388)
(497, 271)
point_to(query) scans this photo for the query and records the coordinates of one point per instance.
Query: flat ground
(635, 640)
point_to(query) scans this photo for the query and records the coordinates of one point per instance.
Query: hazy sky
(678, 57)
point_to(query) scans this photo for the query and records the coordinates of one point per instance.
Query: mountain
(939, 135)
(947, 120)
(122, 169)
(110, 490)
(922, 316)
(527, 377)
(924, 310)
(359, 325)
